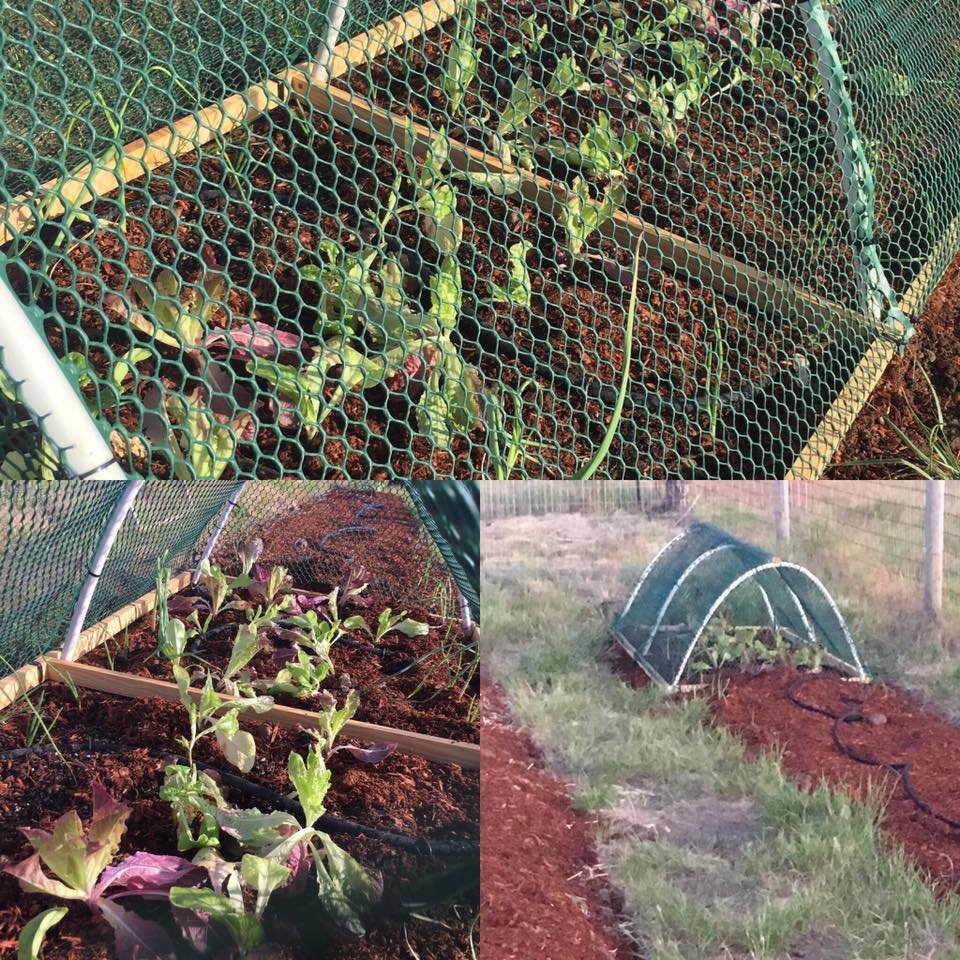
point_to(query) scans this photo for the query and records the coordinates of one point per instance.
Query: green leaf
(311, 780)
(525, 98)
(173, 645)
(442, 223)
(31, 936)
(245, 929)
(499, 184)
(238, 747)
(265, 876)
(770, 60)
(412, 628)
(254, 830)
(519, 288)
(462, 59)
(446, 294)
(246, 645)
(345, 889)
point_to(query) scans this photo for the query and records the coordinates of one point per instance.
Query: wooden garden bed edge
(812, 462)
(127, 685)
(194, 130)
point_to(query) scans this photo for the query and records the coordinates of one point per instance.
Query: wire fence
(50, 533)
(866, 538)
(463, 237)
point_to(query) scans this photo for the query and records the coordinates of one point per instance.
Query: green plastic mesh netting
(261, 242)
(49, 533)
(704, 572)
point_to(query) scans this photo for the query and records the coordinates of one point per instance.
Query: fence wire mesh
(49, 532)
(415, 256)
(865, 540)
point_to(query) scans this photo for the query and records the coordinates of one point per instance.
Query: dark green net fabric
(707, 572)
(415, 257)
(49, 532)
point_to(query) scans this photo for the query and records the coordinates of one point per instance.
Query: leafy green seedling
(190, 794)
(518, 289)
(388, 622)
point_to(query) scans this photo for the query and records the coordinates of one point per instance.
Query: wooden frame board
(812, 462)
(166, 143)
(126, 685)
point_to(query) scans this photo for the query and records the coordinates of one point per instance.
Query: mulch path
(903, 389)
(541, 889)
(901, 731)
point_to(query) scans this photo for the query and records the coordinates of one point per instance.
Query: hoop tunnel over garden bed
(411, 255)
(705, 569)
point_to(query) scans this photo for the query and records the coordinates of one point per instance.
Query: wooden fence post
(781, 510)
(933, 550)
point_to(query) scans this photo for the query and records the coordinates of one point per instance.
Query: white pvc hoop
(48, 395)
(679, 583)
(107, 539)
(232, 501)
(773, 565)
(648, 568)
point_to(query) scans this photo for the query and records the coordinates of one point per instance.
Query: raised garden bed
(871, 739)
(375, 853)
(492, 331)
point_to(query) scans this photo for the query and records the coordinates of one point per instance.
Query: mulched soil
(395, 556)
(406, 794)
(316, 543)
(898, 730)
(541, 889)
(903, 390)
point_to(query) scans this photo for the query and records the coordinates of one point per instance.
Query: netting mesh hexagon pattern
(472, 238)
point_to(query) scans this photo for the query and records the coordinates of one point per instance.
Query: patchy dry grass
(718, 858)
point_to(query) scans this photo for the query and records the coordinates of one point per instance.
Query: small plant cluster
(278, 855)
(701, 50)
(725, 645)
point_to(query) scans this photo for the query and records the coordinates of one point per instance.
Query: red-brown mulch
(902, 731)
(903, 389)
(403, 793)
(537, 856)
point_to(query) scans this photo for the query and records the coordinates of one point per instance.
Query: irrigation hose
(328, 823)
(901, 770)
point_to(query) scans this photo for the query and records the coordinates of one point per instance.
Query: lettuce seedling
(387, 623)
(345, 889)
(193, 796)
(228, 909)
(79, 861)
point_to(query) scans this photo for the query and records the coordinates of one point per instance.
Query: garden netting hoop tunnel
(705, 569)
(93, 547)
(256, 245)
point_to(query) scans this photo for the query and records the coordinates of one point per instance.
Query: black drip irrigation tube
(902, 770)
(328, 823)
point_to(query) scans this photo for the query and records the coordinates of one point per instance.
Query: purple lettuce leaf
(135, 937)
(265, 341)
(148, 874)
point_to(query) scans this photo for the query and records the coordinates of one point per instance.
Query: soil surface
(401, 681)
(541, 888)
(406, 794)
(897, 730)
(904, 395)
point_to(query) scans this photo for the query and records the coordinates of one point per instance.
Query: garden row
(370, 276)
(172, 747)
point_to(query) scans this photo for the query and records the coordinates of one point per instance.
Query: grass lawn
(716, 856)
